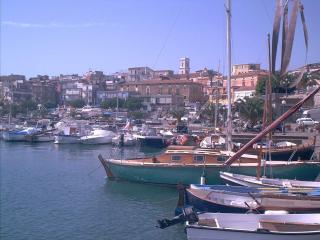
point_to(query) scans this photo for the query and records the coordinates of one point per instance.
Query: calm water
(60, 192)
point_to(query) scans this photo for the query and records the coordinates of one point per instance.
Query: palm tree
(178, 114)
(250, 109)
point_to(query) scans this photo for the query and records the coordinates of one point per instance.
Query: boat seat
(287, 226)
(209, 222)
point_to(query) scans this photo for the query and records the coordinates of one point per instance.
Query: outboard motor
(188, 214)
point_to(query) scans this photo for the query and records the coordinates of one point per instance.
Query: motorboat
(277, 226)
(19, 135)
(98, 136)
(124, 139)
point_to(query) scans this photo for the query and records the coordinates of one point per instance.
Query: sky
(74, 36)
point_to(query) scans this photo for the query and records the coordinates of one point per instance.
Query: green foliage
(137, 115)
(250, 109)
(209, 113)
(24, 107)
(278, 85)
(50, 105)
(178, 114)
(132, 103)
(79, 103)
(28, 105)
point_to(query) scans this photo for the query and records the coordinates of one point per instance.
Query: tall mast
(229, 117)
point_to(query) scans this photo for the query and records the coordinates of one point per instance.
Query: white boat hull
(66, 139)
(228, 226)
(96, 140)
(251, 181)
(220, 234)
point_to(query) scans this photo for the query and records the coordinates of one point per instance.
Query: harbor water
(57, 192)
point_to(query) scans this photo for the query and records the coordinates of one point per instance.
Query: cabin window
(221, 158)
(175, 158)
(198, 158)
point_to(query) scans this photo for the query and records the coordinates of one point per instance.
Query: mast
(229, 117)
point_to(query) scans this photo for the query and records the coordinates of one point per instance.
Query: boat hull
(250, 181)
(220, 198)
(66, 139)
(96, 140)
(302, 153)
(152, 142)
(278, 226)
(200, 233)
(39, 138)
(189, 174)
(13, 137)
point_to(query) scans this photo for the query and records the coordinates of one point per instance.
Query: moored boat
(98, 136)
(18, 135)
(216, 226)
(186, 165)
(251, 181)
(40, 137)
(288, 151)
(124, 139)
(223, 198)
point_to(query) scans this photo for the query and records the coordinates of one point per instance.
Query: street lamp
(283, 103)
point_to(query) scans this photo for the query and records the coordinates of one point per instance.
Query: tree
(209, 112)
(137, 114)
(133, 103)
(278, 85)
(251, 109)
(78, 103)
(178, 114)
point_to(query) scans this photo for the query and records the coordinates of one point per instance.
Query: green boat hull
(191, 174)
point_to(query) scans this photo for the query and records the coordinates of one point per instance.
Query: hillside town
(159, 92)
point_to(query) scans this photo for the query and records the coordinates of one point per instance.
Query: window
(175, 158)
(160, 90)
(221, 158)
(177, 90)
(198, 158)
(169, 90)
(148, 90)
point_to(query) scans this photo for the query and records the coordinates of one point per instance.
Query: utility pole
(229, 117)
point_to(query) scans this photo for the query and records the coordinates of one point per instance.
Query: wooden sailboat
(186, 164)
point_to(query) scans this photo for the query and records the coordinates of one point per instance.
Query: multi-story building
(162, 73)
(184, 89)
(139, 74)
(44, 90)
(247, 80)
(14, 88)
(245, 68)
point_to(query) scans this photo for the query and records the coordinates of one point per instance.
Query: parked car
(306, 121)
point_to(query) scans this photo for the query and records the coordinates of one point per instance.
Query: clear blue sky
(72, 36)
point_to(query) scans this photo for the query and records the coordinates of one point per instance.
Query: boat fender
(275, 212)
(203, 180)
